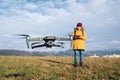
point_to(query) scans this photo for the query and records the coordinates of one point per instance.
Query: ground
(58, 68)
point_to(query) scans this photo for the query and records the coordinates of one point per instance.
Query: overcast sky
(100, 18)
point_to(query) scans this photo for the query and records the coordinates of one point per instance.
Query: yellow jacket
(79, 44)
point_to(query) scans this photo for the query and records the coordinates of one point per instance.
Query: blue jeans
(76, 54)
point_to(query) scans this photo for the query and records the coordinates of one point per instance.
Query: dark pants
(76, 54)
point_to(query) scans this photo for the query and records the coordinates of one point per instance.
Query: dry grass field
(58, 68)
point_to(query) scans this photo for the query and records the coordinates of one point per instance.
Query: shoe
(75, 65)
(81, 63)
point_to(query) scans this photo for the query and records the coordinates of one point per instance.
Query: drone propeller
(24, 36)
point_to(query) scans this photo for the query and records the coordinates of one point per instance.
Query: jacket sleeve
(72, 34)
(84, 37)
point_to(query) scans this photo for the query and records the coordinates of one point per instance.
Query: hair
(79, 24)
(82, 29)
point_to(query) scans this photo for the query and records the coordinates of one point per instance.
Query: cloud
(115, 42)
(31, 6)
(58, 17)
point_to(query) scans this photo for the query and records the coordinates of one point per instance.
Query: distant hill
(7, 52)
(91, 52)
(104, 52)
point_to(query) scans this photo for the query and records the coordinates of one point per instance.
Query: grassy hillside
(58, 68)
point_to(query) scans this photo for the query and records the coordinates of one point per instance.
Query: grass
(58, 68)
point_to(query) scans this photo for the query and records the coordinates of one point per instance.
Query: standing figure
(79, 37)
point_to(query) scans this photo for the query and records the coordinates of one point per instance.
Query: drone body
(47, 41)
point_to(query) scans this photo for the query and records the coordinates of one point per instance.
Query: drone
(47, 41)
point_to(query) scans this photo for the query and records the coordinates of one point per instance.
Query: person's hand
(76, 37)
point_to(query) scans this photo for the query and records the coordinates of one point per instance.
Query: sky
(38, 18)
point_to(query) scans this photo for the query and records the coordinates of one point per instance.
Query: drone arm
(63, 39)
(36, 39)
